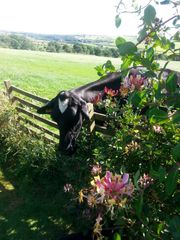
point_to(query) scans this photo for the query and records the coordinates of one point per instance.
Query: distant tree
(107, 52)
(114, 52)
(97, 51)
(78, 48)
(67, 48)
(53, 46)
(90, 50)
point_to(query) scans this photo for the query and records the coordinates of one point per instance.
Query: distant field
(47, 73)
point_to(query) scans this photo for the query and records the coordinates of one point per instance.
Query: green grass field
(47, 73)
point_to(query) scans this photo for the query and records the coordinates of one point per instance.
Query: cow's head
(68, 111)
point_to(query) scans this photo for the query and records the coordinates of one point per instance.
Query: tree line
(20, 42)
(15, 41)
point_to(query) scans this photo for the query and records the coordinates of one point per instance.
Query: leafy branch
(156, 28)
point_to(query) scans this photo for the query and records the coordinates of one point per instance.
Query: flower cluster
(68, 187)
(97, 99)
(145, 181)
(109, 190)
(111, 92)
(96, 170)
(129, 84)
(133, 82)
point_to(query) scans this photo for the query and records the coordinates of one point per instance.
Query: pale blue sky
(66, 17)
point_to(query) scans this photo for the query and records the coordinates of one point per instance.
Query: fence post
(7, 84)
(91, 117)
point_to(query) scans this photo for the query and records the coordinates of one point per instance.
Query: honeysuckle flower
(96, 169)
(124, 91)
(113, 187)
(133, 82)
(145, 181)
(81, 196)
(132, 146)
(97, 229)
(97, 99)
(157, 129)
(126, 82)
(111, 92)
(136, 81)
(91, 200)
(68, 187)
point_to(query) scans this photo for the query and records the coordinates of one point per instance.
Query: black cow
(69, 108)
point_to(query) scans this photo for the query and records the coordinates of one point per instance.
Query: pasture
(46, 73)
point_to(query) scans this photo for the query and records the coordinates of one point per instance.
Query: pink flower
(96, 169)
(68, 187)
(114, 186)
(145, 181)
(124, 91)
(97, 99)
(111, 92)
(133, 82)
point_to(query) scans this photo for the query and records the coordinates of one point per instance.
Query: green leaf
(176, 117)
(165, 2)
(135, 98)
(171, 181)
(150, 54)
(171, 82)
(142, 34)
(154, 174)
(126, 63)
(116, 236)
(160, 228)
(139, 205)
(136, 177)
(120, 41)
(174, 226)
(157, 115)
(161, 174)
(176, 152)
(149, 14)
(127, 48)
(173, 100)
(157, 88)
(117, 21)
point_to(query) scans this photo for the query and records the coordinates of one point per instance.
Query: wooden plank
(104, 130)
(24, 102)
(30, 95)
(34, 131)
(46, 130)
(101, 117)
(37, 117)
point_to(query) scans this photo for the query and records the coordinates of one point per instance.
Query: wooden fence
(28, 103)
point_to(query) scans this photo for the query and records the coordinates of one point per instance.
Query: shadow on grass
(32, 209)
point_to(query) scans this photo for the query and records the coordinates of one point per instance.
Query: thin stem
(136, 11)
(155, 29)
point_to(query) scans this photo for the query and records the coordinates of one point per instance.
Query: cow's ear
(47, 108)
(85, 110)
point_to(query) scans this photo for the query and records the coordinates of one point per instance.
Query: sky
(96, 17)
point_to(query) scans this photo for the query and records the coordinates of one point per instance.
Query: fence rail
(27, 104)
